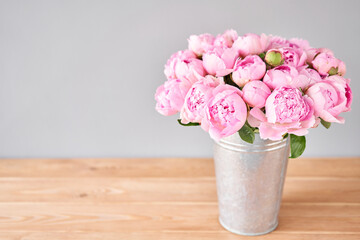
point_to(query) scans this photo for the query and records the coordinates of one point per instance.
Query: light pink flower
(285, 75)
(287, 111)
(225, 113)
(184, 65)
(201, 43)
(275, 42)
(170, 65)
(220, 61)
(248, 69)
(196, 99)
(324, 62)
(226, 39)
(255, 93)
(331, 97)
(313, 52)
(171, 95)
(300, 43)
(251, 44)
(312, 75)
(295, 57)
(287, 105)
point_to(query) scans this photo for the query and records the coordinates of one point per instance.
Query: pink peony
(287, 105)
(225, 113)
(170, 65)
(331, 97)
(171, 95)
(312, 75)
(326, 63)
(295, 57)
(220, 61)
(255, 93)
(286, 85)
(251, 44)
(300, 43)
(248, 69)
(275, 42)
(285, 75)
(226, 39)
(184, 65)
(287, 111)
(196, 99)
(313, 52)
(201, 43)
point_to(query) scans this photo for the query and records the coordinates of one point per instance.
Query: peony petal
(325, 115)
(258, 114)
(213, 63)
(299, 132)
(229, 57)
(223, 72)
(271, 131)
(254, 122)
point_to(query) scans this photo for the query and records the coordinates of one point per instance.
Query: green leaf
(228, 80)
(325, 123)
(302, 91)
(247, 133)
(262, 55)
(297, 145)
(187, 124)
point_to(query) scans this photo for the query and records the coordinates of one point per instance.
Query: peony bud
(274, 57)
(333, 71)
(326, 64)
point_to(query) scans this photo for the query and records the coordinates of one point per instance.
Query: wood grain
(166, 216)
(170, 235)
(162, 167)
(168, 199)
(297, 189)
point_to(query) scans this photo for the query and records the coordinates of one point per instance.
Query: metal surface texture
(250, 179)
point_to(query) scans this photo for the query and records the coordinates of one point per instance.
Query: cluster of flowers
(272, 85)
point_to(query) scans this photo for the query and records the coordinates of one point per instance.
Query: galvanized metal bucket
(250, 179)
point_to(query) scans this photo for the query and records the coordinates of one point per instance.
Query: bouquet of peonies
(254, 84)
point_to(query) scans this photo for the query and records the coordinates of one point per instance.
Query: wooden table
(152, 199)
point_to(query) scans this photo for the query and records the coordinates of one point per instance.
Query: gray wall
(77, 78)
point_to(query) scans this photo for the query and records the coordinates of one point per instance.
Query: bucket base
(248, 234)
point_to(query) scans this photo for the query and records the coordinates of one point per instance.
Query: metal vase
(250, 180)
